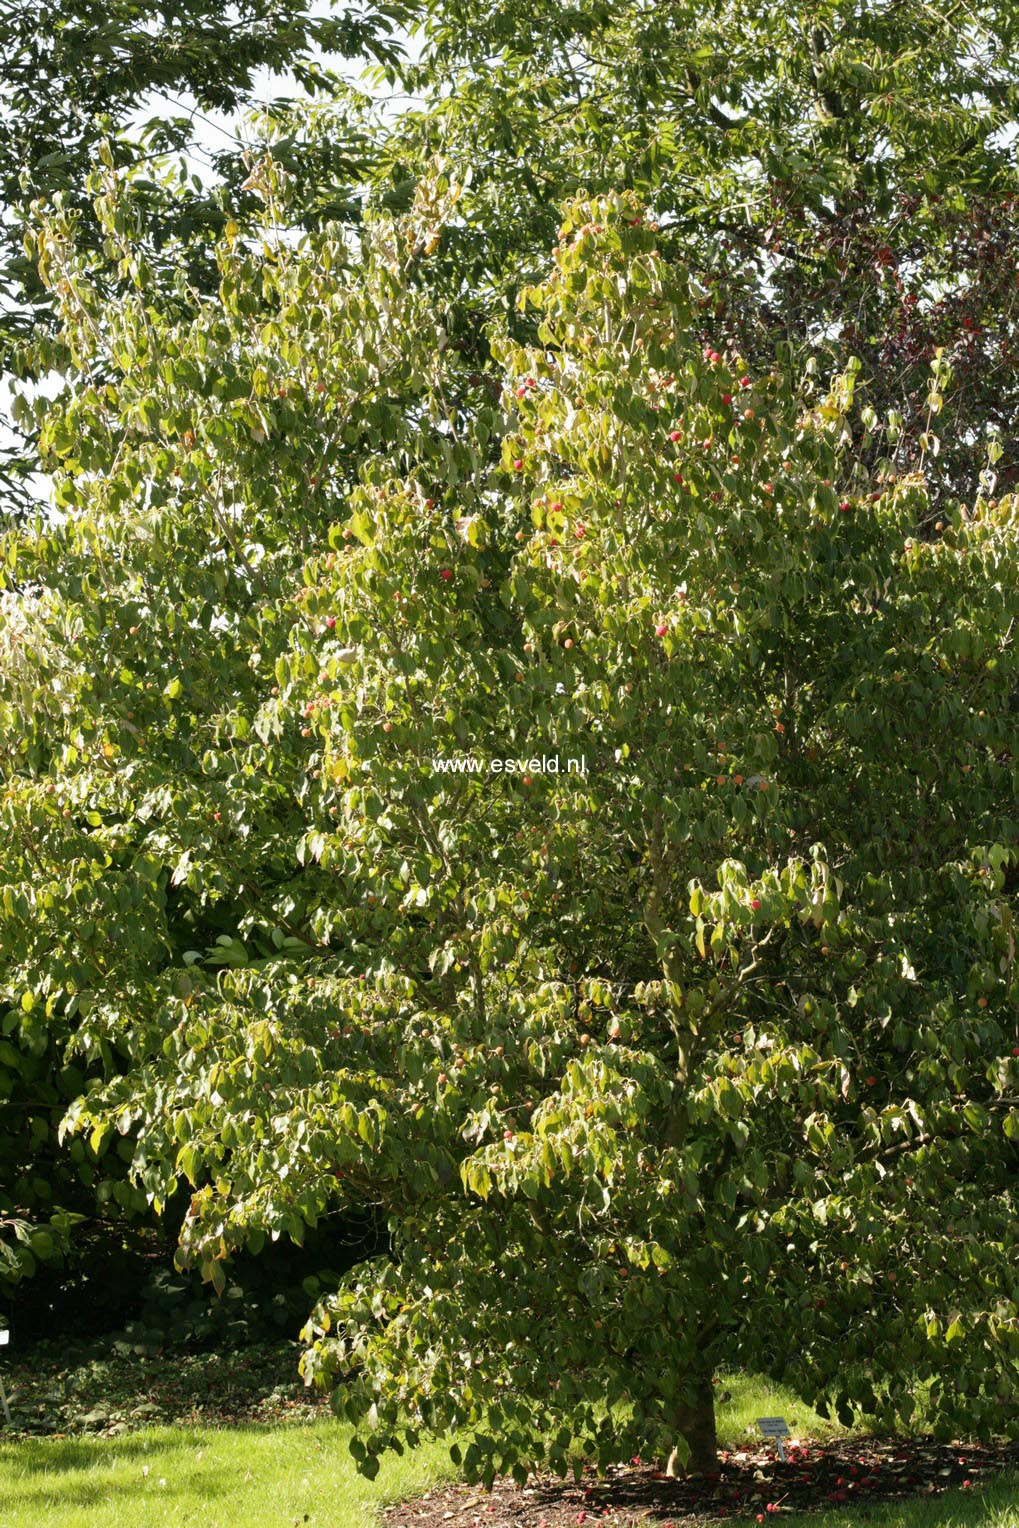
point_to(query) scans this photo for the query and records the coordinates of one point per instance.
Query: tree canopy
(710, 1047)
(841, 175)
(650, 407)
(137, 77)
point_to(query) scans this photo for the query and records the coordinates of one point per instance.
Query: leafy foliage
(841, 177)
(199, 909)
(707, 1049)
(138, 77)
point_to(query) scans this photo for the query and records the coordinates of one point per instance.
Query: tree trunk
(695, 1422)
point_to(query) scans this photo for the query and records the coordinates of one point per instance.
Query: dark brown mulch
(753, 1483)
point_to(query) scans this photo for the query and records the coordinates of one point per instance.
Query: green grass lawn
(264, 1475)
(990, 1507)
(229, 1477)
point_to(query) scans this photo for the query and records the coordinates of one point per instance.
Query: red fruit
(446, 575)
(675, 434)
(441, 1078)
(528, 780)
(871, 1081)
(330, 621)
(580, 530)
(1015, 1050)
(521, 392)
(768, 487)
(518, 465)
(981, 1002)
(727, 399)
(556, 508)
(845, 506)
(756, 904)
(744, 381)
(661, 631)
(507, 1135)
(568, 642)
(678, 477)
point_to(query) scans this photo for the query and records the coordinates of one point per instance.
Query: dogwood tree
(701, 1051)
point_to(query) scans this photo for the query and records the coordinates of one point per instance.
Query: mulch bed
(753, 1483)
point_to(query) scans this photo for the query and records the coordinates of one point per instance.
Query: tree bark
(695, 1422)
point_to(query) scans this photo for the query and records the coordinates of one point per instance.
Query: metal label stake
(777, 1428)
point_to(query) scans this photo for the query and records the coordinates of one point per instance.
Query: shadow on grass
(47, 1455)
(994, 1504)
(51, 1505)
(88, 1473)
